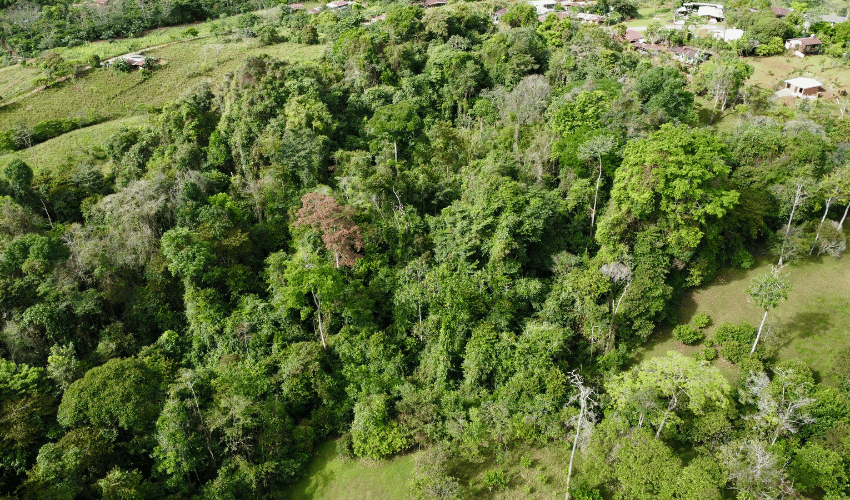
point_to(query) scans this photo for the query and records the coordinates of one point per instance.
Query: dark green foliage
(420, 241)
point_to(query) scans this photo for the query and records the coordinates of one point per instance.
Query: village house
(635, 36)
(560, 15)
(338, 5)
(712, 12)
(315, 10)
(804, 87)
(543, 6)
(590, 18)
(295, 6)
(688, 55)
(429, 4)
(498, 15)
(780, 12)
(833, 20)
(807, 45)
(134, 60)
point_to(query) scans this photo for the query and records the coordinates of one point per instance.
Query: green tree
(676, 381)
(673, 180)
(767, 291)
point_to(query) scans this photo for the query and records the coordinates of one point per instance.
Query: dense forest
(446, 235)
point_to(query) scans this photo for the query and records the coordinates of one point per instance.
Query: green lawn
(332, 477)
(114, 94)
(812, 325)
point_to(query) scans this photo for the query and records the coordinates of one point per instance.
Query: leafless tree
(782, 404)
(526, 103)
(584, 397)
(596, 148)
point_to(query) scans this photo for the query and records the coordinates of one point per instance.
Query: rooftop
(804, 83)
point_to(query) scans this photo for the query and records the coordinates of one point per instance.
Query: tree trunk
(614, 317)
(395, 151)
(841, 224)
(318, 302)
(596, 195)
(661, 425)
(573, 453)
(758, 335)
(790, 219)
(817, 235)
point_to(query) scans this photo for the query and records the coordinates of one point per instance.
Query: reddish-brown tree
(340, 234)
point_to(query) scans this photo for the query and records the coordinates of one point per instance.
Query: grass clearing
(330, 476)
(771, 71)
(812, 325)
(112, 94)
(69, 150)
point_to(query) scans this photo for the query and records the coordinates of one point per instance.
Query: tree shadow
(319, 473)
(806, 324)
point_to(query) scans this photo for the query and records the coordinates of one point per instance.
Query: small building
(807, 45)
(586, 18)
(688, 55)
(804, 87)
(633, 36)
(728, 35)
(543, 6)
(498, 15)
(134, 60)
(711, 11)
(780, 12)
(833, 20)
(430, 4)
(560, 15)
(315, 10)
(295, 6)
(338, 5)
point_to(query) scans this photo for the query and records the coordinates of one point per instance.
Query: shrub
(309, 35)
(735, 340)
(709, 353)
(701, 320)
(687, 334)
(495, 479)
(525, 461)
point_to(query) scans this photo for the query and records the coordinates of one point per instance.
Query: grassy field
(73, 148)
(332, 477)
(112, 94)
(812, 325)
(770, 71)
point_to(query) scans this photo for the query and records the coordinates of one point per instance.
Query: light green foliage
(768, 290)
(63, 366)
(122, 485)
(673, 180)
(520, 15)
(19, 379)
(687, 334)
(658, 389)
(374, 435)
(701, 320)
(734, 340)
(495, 480)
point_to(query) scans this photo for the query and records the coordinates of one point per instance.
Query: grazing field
(772, 71)
(812, 325)
(330, 476)
(111, 94)
(532, 473)
(69, 150)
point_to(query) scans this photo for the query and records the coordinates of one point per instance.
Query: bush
(735, 340)
(94, 61)
(701, 320)
(687, 334)
(709, 353)
(495, 479)
(309, 35)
